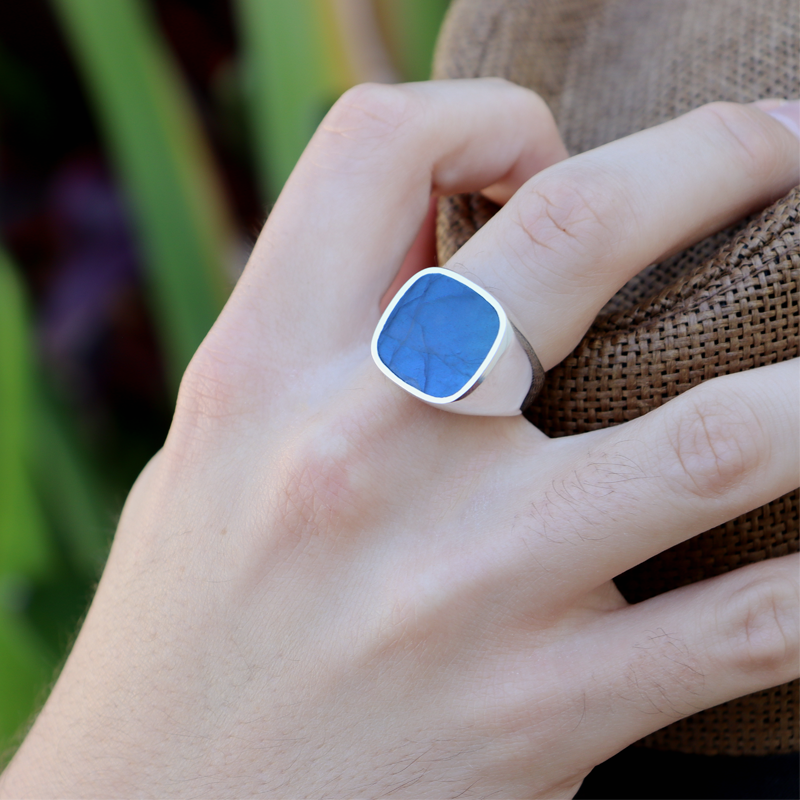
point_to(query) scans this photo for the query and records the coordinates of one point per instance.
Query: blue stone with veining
(438, 335)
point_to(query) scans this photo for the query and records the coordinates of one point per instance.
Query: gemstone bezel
(498, 346)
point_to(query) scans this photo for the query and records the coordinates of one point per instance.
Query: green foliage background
(58, 504)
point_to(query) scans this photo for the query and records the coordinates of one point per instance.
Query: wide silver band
(504, 384)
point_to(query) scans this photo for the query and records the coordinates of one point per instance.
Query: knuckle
(714, 444)
(206, 391)
(569, 214)
(205, 401)
(326, 480)
(310, 486)
(369, 114)
(744, 135)
(761, 625)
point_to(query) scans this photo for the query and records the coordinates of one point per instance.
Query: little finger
(687, 650)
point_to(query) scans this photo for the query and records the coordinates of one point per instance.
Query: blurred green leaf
(411, 29)
(25, 670)
(24, 546)
(156, 140)
(286, 81)
(46, 487)
(75, 501)
(25, 549)
(46, 481)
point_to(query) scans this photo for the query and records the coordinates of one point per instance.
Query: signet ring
(447, 341)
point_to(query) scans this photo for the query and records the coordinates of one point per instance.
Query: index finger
(356, 199)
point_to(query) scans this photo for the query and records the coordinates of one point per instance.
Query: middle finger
(578, 231)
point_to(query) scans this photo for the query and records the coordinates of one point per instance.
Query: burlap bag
(608, 68)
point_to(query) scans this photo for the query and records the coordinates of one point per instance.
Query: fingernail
(788, 114)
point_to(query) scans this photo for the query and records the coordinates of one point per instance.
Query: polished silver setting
(506, 382)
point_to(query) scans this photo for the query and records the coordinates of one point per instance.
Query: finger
(421, 254)
(613, 498)
(687, 650)
(576, 232)
(356, 200)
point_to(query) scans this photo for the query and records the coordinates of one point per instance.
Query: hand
(323, 587)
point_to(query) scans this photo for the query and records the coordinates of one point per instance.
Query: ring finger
(608, 500)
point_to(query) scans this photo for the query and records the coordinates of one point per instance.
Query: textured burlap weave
(608, 68)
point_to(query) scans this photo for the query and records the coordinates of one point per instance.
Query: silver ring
(448, 342)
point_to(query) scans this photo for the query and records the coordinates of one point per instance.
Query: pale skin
(322, 587)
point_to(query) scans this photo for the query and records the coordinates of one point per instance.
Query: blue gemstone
(438, 335)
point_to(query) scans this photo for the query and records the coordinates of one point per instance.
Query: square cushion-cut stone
(438, 335)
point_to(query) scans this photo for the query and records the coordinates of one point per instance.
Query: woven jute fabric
(608, 68)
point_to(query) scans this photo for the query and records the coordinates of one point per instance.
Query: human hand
(323, 587)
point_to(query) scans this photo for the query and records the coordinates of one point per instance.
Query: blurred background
(141, 145)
